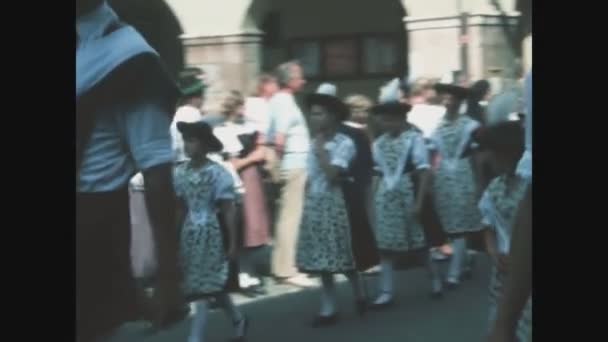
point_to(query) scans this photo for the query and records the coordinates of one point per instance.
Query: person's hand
(257, 156)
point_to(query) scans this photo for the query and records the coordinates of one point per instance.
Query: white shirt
(257, 113)
(426, 117)
(184, 114)
(287, 118)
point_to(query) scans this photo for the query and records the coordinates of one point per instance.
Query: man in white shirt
(192, 88)
(257, 108)
(289, 132)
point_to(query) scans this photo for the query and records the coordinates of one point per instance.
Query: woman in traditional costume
(205, 189)
(325, 245)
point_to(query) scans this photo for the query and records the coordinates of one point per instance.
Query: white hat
(327, 89)
(389, 92)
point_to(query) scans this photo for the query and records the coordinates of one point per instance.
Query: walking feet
(300, 280)
(361, 305)
(452, 283)
(383, 301)
(325, 320)
(240, 328)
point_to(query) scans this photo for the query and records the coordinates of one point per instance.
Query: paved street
(284, 315)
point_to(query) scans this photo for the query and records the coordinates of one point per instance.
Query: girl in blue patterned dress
(499, 205)
(325, 240)
(398, 154)
(455, 186)
(204, 190)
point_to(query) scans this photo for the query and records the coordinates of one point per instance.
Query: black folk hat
(458, 91)
(389, 100)
(202, 131)
(505, 137)
(326, 96)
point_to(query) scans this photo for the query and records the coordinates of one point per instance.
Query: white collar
(354, 124)
(91, 25)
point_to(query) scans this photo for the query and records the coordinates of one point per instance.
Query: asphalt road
(285, 315)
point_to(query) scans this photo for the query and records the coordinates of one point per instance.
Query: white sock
(386, 275)
(328, 295)
(199, 322)
(458, 258)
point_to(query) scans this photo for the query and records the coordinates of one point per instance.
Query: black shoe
(243, 334)
(325, 321)
(436, 294)
(260, 290)
(451, 285)
(361, 306)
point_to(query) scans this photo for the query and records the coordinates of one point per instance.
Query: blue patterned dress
(454, 184)
(202, 252)
(499, 205)
(325, 243)
(396, 229)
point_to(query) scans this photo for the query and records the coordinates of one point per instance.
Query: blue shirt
(127, 137)
(286, 118)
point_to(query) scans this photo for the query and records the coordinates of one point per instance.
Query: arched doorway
(356, 45)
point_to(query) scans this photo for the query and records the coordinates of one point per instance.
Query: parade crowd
(425, 175)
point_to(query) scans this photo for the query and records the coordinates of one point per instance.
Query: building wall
(313, 18)
(225, 38)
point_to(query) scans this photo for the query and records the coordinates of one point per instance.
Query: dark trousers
(105, 289)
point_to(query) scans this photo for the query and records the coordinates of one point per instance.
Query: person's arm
(518, 283)
(228, 211)
(160, 202)
(280, 140)
(256, 156)
(422, 164)
(331, 171)
(146, 134)
(224, 199)
(491, 245)
(282, 115)
(477, 160)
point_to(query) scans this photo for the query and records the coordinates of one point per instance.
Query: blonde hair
(231, 101)
(359, 106)
(264, 79)
(421, 85)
